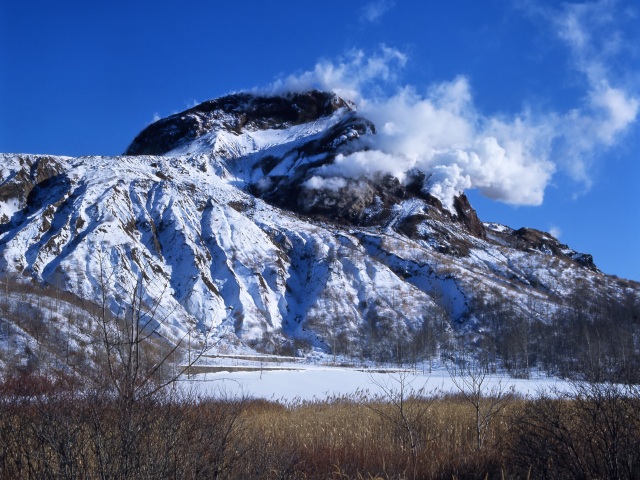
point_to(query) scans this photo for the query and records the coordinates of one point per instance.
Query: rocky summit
(235, 218)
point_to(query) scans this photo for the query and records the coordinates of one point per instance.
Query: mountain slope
(224, 213)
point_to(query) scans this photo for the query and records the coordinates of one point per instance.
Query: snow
(309, 382)
(276, 142)
(497, 227)
(227, 260)
(220, 259)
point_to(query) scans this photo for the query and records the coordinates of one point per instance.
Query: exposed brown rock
(532, 239)
(36, 170)
(234, 113)
(468, 217)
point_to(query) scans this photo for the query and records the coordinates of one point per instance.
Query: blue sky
(554, 86)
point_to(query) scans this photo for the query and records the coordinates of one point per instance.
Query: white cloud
(588, 30)
(374, 10)
(555, 231)
(325, 183)
(354, 76)
(439, 131)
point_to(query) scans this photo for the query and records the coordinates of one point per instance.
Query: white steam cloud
(555, 231)
(588, 31)
(376, 9)
(325, 183)
(351, 77)
(441, 133)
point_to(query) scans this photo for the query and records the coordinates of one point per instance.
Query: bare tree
(135, 359)
(408, 410)
(487, 398)
(135, 354)
(590, 431)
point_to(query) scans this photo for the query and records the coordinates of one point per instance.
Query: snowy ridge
(231, 145)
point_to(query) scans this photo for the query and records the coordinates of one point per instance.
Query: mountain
(235, 218)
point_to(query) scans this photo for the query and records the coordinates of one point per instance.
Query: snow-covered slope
(222, 212)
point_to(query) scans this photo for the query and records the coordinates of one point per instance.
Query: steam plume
(440, 132)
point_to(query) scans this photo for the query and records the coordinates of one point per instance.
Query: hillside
(236, 218)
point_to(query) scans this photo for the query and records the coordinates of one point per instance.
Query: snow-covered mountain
(235, 216)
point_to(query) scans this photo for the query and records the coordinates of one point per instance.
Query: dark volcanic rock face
(468, 217)
(531, 239)
(234, 113)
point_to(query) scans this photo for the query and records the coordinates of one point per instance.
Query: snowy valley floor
(283, 380)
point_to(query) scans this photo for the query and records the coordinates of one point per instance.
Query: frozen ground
(286, 381)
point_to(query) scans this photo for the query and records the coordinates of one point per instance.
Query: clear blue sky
(83, 78)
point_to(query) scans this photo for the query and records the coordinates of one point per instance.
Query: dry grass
(48, 429)
(343, 438)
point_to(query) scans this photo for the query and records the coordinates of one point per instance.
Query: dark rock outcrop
(468, 217)
(234, 113)
(532, 239)
(36, 170)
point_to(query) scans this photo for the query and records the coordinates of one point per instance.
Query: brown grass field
(52, 429)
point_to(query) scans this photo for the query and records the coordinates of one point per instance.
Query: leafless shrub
(591, 432)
